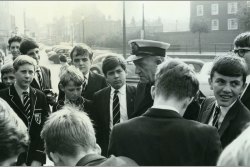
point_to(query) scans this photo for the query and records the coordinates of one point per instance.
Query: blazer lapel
(16, 101)
(106, 103)
(33, 100)
(208, 112)
(229, 116)
(90, 84)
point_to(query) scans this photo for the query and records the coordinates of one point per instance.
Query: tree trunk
(199, 42)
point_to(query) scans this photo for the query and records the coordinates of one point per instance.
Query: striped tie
(26, 104)
(116, 108)
(40, 79)
(216, 117)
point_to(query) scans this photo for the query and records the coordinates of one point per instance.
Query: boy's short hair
(112, 61)
(71, 73)
(67, 129)
(14, 137)
(242, 40)
(175, 78)
(81, 50)
(22, 60)
(14, 39)
(27, 44)
(229, 65)
(7, 68)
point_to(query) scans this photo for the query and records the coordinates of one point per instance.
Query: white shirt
(224, 111)
(20, 91)
(123, 104)
(165, 107)
(87, 78)
(38, 69)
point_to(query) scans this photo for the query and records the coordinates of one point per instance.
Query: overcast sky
(168, 11)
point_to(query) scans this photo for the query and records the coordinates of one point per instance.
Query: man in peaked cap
(146, 55)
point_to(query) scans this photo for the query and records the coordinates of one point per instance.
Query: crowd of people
(101, 120)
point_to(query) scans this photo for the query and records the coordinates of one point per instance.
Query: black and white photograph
(125, 83)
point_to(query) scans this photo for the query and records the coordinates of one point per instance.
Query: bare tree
(243, 18)
(199, 27)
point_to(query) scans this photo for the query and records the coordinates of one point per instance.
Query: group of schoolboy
(144, 125)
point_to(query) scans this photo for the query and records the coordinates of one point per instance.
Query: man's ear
(152, 91)
(61, 87)
(210, 83)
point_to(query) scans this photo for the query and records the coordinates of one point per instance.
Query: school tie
(40, 79)
(216, 117)
(26, 104)
(84, 84)
(116, 108)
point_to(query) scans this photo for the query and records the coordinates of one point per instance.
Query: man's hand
(50, 96)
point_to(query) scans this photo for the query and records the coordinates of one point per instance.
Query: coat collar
(208, 112)
(232, 112)
(161, 113)
(90, 159)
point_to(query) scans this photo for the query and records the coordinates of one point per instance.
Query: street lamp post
(143, 24)
(83, 29)
(124, 31)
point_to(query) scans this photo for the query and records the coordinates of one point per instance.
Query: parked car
(57, 51)
(203, 77)
(131, 76)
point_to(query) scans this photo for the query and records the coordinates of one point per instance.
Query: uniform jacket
(46, 79)
(232, 125)
(144, 101)
(95, 82)
(98, 160)
(101, 114)
(246, 97)
(40, 110)
(163, 138)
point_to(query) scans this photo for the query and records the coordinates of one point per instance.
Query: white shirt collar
(87, 76)
(165, 107)
(224, 110)
(122, 90)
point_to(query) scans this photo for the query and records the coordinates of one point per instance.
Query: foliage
(199, 26)
(244, 17)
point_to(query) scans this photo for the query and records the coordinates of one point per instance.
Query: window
(199, 10)
(214, 9)
(215, 24)
(232, 8)
(248, 4)
(232, 24)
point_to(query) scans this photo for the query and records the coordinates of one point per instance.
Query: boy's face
(14, 49)
(82, 62)
(34, 53)
(72, 92)
(24, 75)
(8, 78)
(116, 77)
(226, 88)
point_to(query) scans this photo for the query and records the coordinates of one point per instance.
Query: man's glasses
(241, 52)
